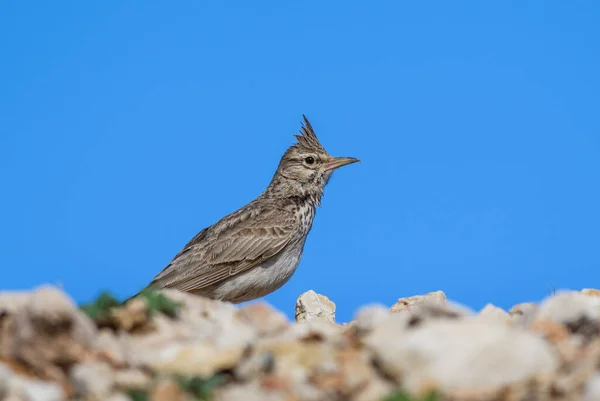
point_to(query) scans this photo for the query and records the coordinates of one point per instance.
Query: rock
(133, 315)
(167, 390)
(15, 387)
(212, 323)
(459, 354)
(13, 301)
(523, 314)
(50, 333)
(50, 351)
(591, 292)
(128, 379)
(523, 309)
(353, 373)
(118, 397)
(255, 365)
(109, 347)
(37, 390)
(494, 314)
(5, 375)
(592, 389)
(377, 389)
(369, 316)
(309, 331)
(431, 311)
(253, 391)
(93, 380)
(579, 312)
(194, 359)
(313, 306)
(406, 304)
(263, 318)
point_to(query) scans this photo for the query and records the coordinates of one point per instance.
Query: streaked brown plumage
(255, 250)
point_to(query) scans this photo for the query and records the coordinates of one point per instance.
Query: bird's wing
(231, 247)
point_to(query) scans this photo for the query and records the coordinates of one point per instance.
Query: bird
(255, 250)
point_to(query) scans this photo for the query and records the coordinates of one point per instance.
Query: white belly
(263, 279)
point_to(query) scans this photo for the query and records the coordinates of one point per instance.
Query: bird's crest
(307, 140)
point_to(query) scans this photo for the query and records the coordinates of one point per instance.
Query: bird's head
(307, 166)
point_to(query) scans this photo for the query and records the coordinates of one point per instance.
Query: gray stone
(406, 304)
(127, 379)
(579, 312)
(13, 301)
(15, 387)
(49, 331)
(592, 389)
(211, 323)
(459, 353)
(313, 306)
(118, 397)
(523, 314)
(265, 319)
(251, 391)
(494, 314)
(194, 359)
(369, 316)
(94, 379)
(5, 375)
(110, 347)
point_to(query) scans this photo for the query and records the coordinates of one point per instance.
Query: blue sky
(125, 130)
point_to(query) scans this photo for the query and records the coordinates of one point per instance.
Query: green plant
(201, 389)
(157, 302)
(99, 309)
(401, 395)
(138, 395)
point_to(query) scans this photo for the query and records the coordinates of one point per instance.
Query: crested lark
(255, 250)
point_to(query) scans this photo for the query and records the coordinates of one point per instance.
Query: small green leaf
(100, 308)
(157, 302)
(138, 395)
(200, 388)
(433, 396)
(401, 395)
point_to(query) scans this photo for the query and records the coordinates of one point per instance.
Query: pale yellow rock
(522, 309)
(264, 318)
(118, 397)
(459, 353)
(14, 387)
(592, 389)
(127, 379)
(492, 313)
(93, 380)
(133, 314)
(49, 330)
(108, 346)
(196, 359)
(591, 292)
(523, 314)
(580, 312)
(376, 389)
(369, 316)
(167, 390)
(313, 306)
(252, 391)
(13, 301)
(406, 304)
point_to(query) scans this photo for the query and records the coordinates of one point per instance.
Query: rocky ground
(171, 346)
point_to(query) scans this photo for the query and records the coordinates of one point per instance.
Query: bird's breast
(264, 278)
(305, 215)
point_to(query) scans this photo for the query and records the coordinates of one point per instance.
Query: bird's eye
(309, 160)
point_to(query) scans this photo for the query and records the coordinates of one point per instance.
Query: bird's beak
(338, 162)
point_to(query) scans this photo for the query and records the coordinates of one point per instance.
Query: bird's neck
(282, 187)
